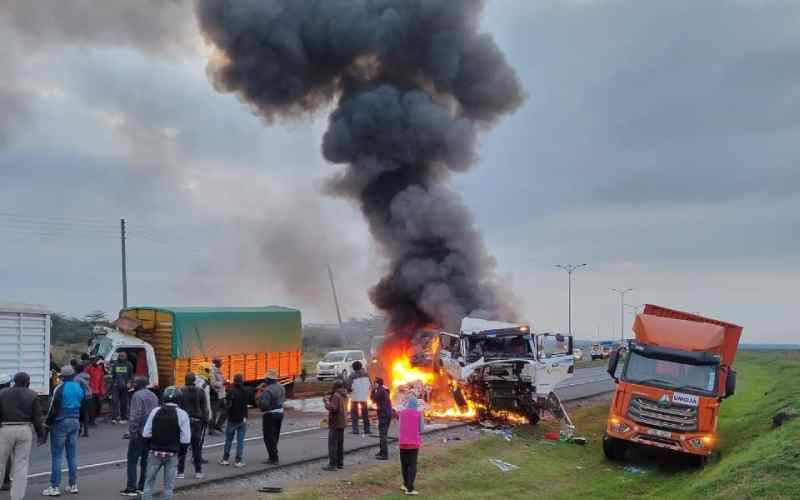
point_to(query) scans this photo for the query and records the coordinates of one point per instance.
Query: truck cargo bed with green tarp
(249, 340)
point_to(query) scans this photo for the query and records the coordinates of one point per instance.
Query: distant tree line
(71, 330)
(355, 332)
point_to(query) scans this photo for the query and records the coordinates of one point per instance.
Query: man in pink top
(412, 423)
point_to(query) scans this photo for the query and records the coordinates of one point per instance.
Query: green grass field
(755, 461)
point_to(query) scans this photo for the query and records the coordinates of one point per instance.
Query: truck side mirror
(730, 383)
(613, 359)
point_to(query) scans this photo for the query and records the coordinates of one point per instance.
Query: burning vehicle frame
(506, 371)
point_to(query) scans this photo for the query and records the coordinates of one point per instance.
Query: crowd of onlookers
(161, 431)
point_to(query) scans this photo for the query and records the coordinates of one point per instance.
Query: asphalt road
(102, 455)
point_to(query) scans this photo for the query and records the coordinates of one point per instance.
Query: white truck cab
(107, 343)
(505, 367)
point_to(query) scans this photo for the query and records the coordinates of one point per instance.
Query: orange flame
(403, 373)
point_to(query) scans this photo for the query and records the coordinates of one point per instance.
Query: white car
(339, 364)
(578, 353)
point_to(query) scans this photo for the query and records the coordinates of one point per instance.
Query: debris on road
(505, 433)
(783, 415)
(270, 489)
(503, 466)
(634, 470)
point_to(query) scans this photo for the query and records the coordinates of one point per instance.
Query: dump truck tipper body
(677, 371)
(165, 343)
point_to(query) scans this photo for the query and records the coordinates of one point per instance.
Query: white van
(339, 364)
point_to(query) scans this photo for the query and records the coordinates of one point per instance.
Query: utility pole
(335, 299)
(570, 268)
(622, 311)
(124, 265)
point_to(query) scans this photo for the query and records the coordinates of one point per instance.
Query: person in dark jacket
(19, 408)
(121, 376)
(5, 383)
(63, 420)
(271, 404)
(193, 402)
(167, 430)
(380, 396)
(236, 403)
(143, 402)
(82, 377)
(336, 404)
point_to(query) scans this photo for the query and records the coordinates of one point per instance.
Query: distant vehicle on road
(597, 352)
(165, 343)
(578, 353)
(607, 347)
(337, 364)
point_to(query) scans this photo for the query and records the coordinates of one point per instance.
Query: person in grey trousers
(167, 430)
(143, 402)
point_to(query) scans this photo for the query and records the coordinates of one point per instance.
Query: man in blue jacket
(63, 420)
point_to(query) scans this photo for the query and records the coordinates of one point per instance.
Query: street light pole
(622, 311)
(570, 268)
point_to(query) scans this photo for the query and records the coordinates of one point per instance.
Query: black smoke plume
(413, 81)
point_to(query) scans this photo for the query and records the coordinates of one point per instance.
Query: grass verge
(755, 460)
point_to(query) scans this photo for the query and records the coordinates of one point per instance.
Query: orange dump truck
(677, 371)
(164, 343)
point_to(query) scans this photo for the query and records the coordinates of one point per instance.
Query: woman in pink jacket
(412, 423)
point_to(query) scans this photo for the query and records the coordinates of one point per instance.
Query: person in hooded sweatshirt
(359, 386)
(412, 424)
(336, 404)
(63, 421)
(167, 430)
(143, 402)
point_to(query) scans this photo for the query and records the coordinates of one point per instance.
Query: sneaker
(129, 492)
(199, 475)
(180, 475)
(73, 489)
(403, 487)
(239, 464)
(123, 421)
(114, 421)
(224, 462)
(412, 492)
(52, 492)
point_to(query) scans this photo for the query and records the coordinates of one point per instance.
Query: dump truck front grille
(669, 417)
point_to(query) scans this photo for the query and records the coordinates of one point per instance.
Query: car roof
(346, 352)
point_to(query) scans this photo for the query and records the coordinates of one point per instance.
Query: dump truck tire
(613, 448)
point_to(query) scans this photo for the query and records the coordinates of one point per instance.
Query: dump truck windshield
(670, 374)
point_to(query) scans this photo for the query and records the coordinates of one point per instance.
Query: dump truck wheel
(699, 461)
(289, 388)
(613, 448)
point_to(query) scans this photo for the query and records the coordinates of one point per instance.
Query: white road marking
(122, 461)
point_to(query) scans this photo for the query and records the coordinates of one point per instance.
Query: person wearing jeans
(63, 420)
(236, 403)
(167, 429)
(412, 423)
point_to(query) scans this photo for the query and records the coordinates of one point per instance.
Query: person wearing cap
(19, 409)
(412, 424)
(63, 421)
(380, 396)
(217, 380)
(121, 376)
(271, 404)
(143, 402)
(167, 430)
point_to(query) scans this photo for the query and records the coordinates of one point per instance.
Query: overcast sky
(658, 144)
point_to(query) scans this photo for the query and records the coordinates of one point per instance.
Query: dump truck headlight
(696, 442)
(621, 427)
